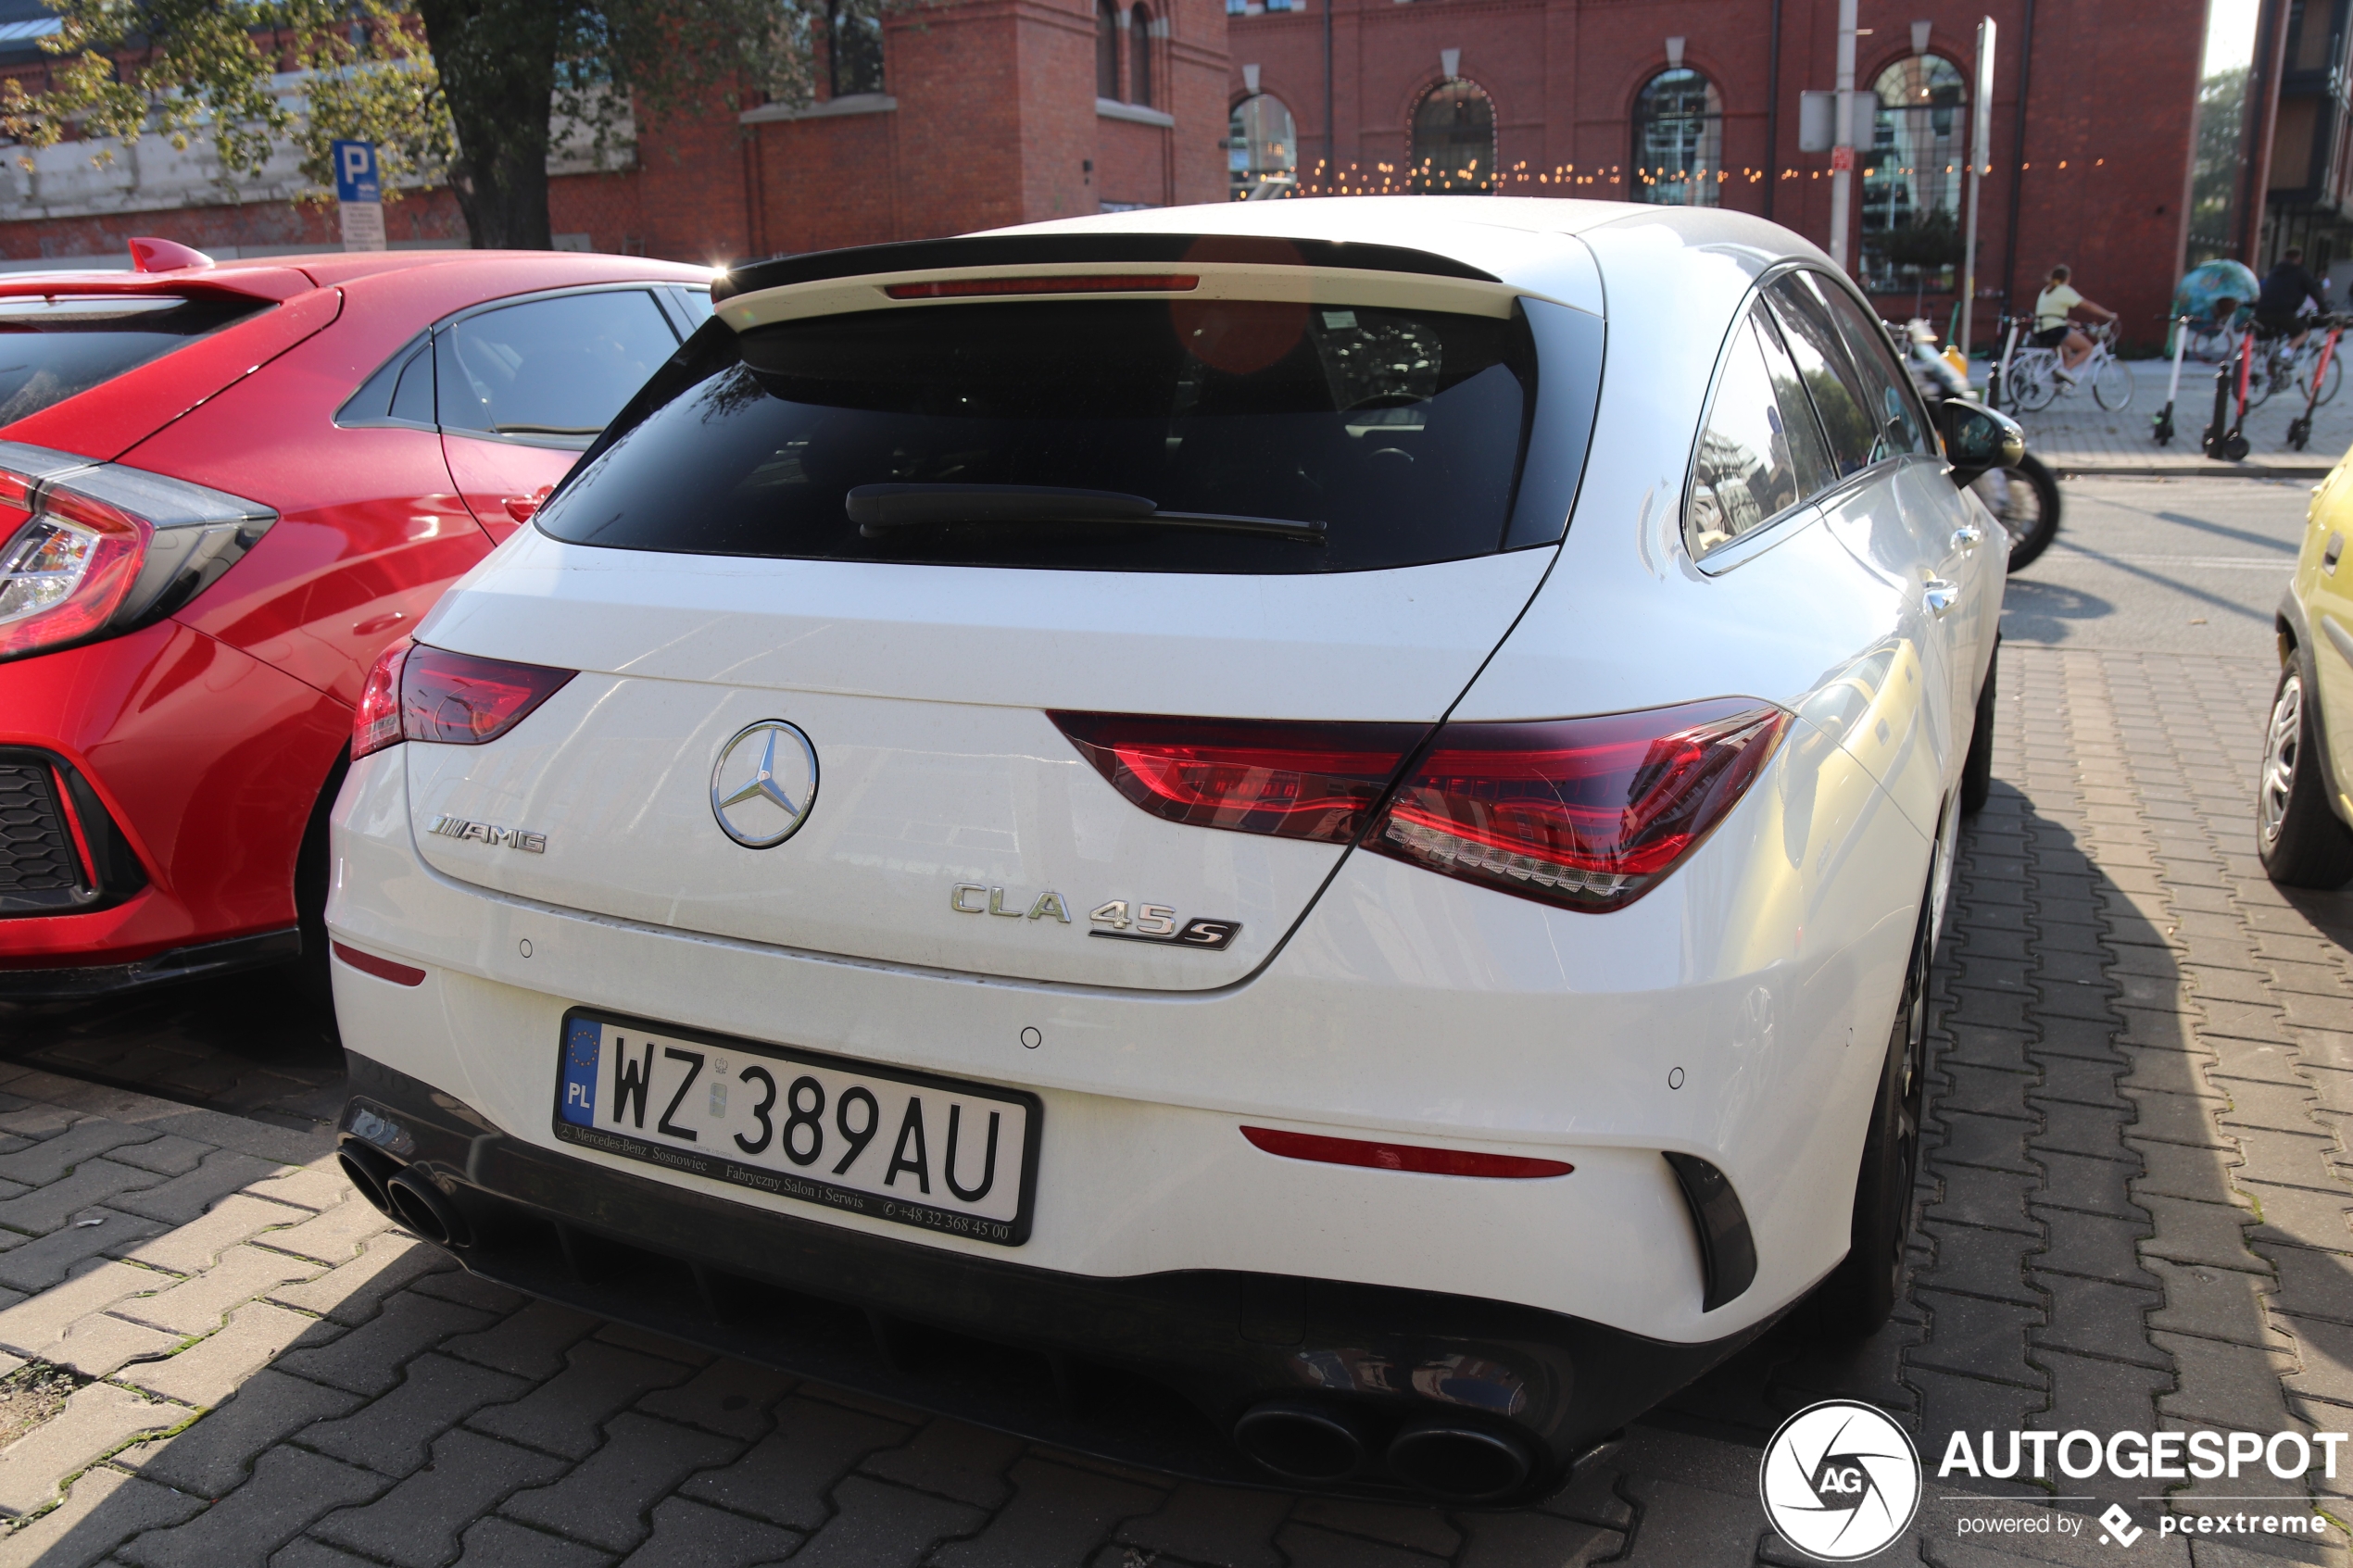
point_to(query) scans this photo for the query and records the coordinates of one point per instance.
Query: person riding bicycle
(2279, 309)
(2053, 327)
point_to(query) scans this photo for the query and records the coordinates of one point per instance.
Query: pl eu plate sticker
(582, 1036)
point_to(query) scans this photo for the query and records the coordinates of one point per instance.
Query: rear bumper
(1150, 1370)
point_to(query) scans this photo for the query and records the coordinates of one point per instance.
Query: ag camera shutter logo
(1840, 1481)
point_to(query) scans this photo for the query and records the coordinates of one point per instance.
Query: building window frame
(1140, 55)
(1109, 22)
(1469, 102)
(1909, 207)
(1689, 173)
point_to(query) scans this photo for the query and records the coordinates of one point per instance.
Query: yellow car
(2302, 807)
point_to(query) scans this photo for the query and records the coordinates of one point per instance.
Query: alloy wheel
(2282, 745)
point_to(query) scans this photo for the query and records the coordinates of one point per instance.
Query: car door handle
(1939, 595)
(522, 508)
(1968, 536)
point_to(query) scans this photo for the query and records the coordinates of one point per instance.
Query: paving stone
(394, 1434)
(2198, 1175)
(606, 1499)
(1058, 1515)
(953, 1459)
(1951, 1403)
(503, 1543)
(2099, 1317)
(1975, 1196)
(354, 1292)
(2214, 1303)
(2287, 1160)
(1513, 1540)
(101, 1511)
(2302, 1216)
(1687, 1528)
(37, 1265)
(37, 1320)
(1421, 1529)
(2176, 1118)
(2099, 1186)
(646, 1342)
(187, 1249)
(199, 1305)
(211, 1370)
(563, 1414)
(315, 1186)
(170, 1155)
(2325, 1353)
(2225, 1385)
(785, 1477)
(2312, 1285)
(530, 1344)
(49, 1160)
(416, 1524)
(304, 1552)
(2200, 1232)
(2097, 1244)
(289, 1489)
(188, 1196)
(2100, 1395)
(1998, 1142)
(879, 1525)
(471, 1290)
(333, 1235)
(1218, 1526)
(689, 1535)
(1977, 1337)
(218, 1452)
(2079, 1082)
(102, 1344)
(367, 1360)
(93, 1183)
(97, 1419)
(1988, 1262)
(730, 1398)
(1984, 1092)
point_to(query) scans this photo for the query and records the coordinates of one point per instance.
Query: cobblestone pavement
(2133, 1217)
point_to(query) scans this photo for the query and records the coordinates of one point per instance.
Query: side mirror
(1977, 439)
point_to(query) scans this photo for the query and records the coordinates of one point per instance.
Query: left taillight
(67, 566)
(418, 692)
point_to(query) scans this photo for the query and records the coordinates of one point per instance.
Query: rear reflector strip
(1401, 1156)
(981, 288)
(382, 969)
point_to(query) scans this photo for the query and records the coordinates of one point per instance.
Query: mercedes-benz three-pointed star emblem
(764, 783)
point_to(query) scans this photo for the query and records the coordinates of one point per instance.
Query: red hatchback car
(225, 488)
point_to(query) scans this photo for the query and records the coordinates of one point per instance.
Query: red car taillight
(66, 565)
(1584, 813)
(1293, 780)
(417, 693)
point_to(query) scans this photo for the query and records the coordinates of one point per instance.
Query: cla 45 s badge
(1147, 922)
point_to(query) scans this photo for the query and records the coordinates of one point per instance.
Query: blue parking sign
(356, 172)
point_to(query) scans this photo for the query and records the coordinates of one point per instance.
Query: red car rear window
(53, 346)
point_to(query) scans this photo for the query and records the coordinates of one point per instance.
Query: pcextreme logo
(1840, 1481)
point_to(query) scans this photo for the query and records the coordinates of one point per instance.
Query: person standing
(2054, 326)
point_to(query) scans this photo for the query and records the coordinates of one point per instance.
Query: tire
(2208, 345)
(2297, 835)
(1856, 1300)
(2333, 380)
(2032, 515)
(1977, 769)
(2112, 387)
(2263, 380)
(2036, 384)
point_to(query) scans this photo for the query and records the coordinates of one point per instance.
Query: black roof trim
(1123, 249)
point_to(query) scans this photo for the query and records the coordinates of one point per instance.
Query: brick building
(951, 114)
(1682, 100)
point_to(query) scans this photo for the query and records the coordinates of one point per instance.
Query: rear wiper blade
(879, 508)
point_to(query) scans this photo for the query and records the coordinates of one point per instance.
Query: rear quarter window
(1395, 436)
(56, 346)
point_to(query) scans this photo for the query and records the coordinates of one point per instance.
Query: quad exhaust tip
(370, 1169)
(419, 1205)
(1451, 1461)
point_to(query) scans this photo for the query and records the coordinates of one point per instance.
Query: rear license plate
(910, 1148)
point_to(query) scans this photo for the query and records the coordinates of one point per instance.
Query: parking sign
(356, 172)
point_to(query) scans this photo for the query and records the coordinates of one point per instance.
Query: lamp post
(1980, 159)
(1842, 144)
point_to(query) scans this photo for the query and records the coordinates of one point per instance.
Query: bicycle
(2287, 365)
(2035, 381)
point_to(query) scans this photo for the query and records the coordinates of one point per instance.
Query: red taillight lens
(1586, 813)
(1293, 781)
(464, 700)
(376, 722)
(63, 569)
(417, 693)
(1402, 1156)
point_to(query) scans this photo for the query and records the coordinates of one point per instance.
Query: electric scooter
(2299, 430)
(2230, 447)
(2164, 423)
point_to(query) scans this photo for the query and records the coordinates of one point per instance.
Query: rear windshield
(1368, 438)
(56, 346)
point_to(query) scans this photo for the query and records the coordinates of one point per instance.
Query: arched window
(1140, 56)
(1912, 176)
(1454, 138)
(853, 48)
(1678, 139)
(1106, 48)
(1262, 149)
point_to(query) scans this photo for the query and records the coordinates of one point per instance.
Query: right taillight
(64, 569)
(1307, 781)
(1585, 813)
(418, 692)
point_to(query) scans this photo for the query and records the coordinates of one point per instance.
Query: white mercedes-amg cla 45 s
(1293, 841)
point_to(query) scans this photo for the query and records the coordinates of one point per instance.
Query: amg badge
(487, 833)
